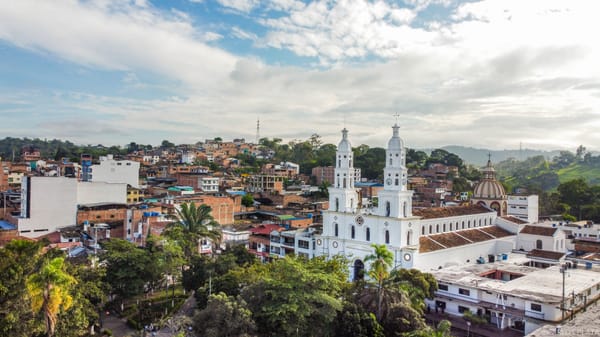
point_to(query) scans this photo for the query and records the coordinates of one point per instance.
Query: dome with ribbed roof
(395, 143)
(344, 145)
(489, 187)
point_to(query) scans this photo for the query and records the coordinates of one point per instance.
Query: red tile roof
(545, 254)
(445, 212)
(538, 230)
(266, 229)
(435, 242)
(514, 219)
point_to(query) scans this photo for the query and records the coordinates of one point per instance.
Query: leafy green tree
(127, 267)
(18, 260)
(576, 193)
(193, 223)
(165, 144)
(381, 261)
(443, 329)
(416, 159)
(89, 296)
(354, 321)
(49, 289)
(225, 316)
(248, 200)
(294, 296)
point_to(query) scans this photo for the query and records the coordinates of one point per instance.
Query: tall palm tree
(197, 223)
(49, 291)
(382, 260)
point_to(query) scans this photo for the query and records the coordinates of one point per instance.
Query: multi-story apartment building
(116, 171)
(524, 207)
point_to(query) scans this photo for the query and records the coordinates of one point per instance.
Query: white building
(49, 203)
(428, 239)
(510, 294)
(116, 171)
(524, 207)
(208, 184)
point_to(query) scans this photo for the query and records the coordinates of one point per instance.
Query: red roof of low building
(545, 254)
(538, 230)
(266, 229)
(445, 212)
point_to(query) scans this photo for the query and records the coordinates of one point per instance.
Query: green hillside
(591, 174)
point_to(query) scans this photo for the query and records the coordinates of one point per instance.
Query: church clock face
(407, 257)
(360, 220)
(388, 181)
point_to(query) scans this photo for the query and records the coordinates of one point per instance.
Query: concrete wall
(51, 203)
(95, 192)
(116, 171)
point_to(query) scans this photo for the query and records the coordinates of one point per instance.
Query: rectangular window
(465, 292)
(443, 287)
(536, 307)
(462, 309)
(303, 244)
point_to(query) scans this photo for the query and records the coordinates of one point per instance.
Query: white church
(428, 239)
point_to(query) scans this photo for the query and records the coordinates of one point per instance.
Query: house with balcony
(511, 296)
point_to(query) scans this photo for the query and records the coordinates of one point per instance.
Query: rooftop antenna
(257, 130)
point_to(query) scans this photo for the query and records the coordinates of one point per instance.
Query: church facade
(426, 240)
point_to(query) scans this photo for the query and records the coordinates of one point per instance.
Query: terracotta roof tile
(539, 230)
(545, 254)
(435, 242)
(444, 212)
(514, 219)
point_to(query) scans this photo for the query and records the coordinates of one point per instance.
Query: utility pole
(562, 309)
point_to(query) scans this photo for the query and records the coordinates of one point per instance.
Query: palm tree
(49, 291)
(196, 223)
(379, 271)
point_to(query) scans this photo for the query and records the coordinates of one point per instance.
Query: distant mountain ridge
(479, 157)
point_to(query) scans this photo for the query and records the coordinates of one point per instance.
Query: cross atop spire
(397, 115)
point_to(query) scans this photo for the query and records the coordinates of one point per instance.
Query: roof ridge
(489, 234)
(471, 241)
(436, 242)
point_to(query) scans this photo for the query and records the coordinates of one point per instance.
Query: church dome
(395, 143)
(344, 145)
(489, 187)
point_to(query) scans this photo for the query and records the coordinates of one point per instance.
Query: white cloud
(114, 35)
(496, 73)
(240, 5)
(242, 34)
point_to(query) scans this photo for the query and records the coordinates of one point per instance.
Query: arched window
(387, 208)
(337, 204)
(451, 226)
(396, 181)
(404, 209)
(339, 163)
(344, 183)
(444, 228)
(387, 237)
(430, 228)
(352, 232)
(469, 224)
(359, 270)
(437, 228)
(463, 225)
(538, 244)
(423, 230)
(409, 237)
(479, 222)
(335, 229)
(368, 234)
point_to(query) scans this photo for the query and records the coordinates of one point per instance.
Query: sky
(488, 74)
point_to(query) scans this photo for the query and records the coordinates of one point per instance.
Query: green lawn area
(574, 171)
